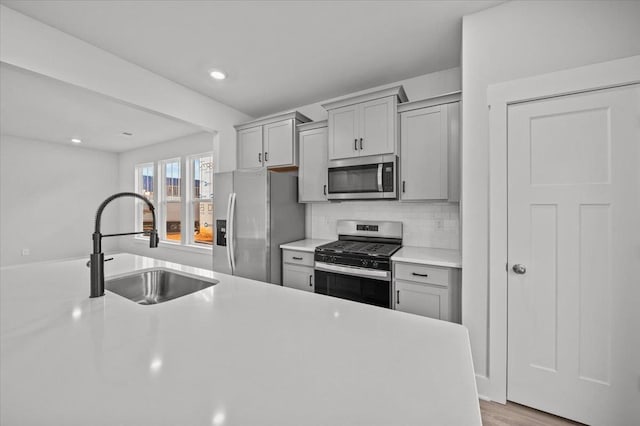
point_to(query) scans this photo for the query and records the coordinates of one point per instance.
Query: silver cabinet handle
(355, 144)
(260, 157)
(403, 186)
(397, 297)
(310, 278)
(324, 190)
(266, 156)
(419, 275)
(519, 269)
(296, 258)
(360, 143)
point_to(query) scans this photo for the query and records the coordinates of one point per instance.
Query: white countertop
(238, 353)
(429, 256)
(308, 245)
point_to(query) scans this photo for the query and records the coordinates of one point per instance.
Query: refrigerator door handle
(229, 233)
(232, 229)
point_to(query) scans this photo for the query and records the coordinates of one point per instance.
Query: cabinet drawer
(297, 257)
(422, 274)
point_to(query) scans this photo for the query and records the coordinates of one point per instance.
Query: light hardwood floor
(512, 414)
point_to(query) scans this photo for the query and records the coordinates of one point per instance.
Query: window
(144, 186)
(183, 200)
(201, 189)
(171, 200)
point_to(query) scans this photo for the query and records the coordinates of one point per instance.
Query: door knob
(519, 269)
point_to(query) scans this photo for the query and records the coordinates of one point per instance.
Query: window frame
(160, 200)
(191, 199)
(139, 206)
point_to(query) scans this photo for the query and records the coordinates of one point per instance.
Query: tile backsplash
(434, 225)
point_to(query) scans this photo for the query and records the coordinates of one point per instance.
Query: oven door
(358, 284)
(363, 178)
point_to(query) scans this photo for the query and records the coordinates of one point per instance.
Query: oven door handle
(380, 177)
(358, 272)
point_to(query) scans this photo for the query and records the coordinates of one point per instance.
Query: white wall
(507, 42)
(425, 224)
(32, 45)
(181, 147)
(49, 194)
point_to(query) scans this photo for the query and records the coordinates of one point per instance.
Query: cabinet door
(279, 144)
(344, 132)
(312, 176)
(300, 277)
(454, 151)
(422, 299)
(424, 154)
(250, 148)
(378, 126)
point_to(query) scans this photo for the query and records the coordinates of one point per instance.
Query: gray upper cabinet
(429, 149)
(250, 148)
(269, 142)
(344, 132)
(312, 175)
(378, 127)
(279, 143)
(364, 125)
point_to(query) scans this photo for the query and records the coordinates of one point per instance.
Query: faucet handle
(106, 260)
(154, 239)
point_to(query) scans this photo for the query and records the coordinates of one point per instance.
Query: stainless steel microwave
(364, 178)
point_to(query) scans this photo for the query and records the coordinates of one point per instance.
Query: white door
(377, 127)
(574, 224)
(278, 143)
(344, 132)
(312, 176)
(250, 148)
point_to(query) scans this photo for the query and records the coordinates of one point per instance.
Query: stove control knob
(375, 264)
(364, 262)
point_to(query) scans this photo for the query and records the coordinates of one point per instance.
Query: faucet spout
(96, 261)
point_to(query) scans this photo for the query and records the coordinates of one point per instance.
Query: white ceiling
(278, 54)
(38, 107)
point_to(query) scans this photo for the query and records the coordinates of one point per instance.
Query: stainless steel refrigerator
(254, 212)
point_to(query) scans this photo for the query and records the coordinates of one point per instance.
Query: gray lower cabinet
(429, 291)
(430, 150)
(297, 270)
(312, 175)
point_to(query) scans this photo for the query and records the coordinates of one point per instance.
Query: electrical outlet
(26, 252)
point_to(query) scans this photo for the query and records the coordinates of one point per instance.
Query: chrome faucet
(96, 261)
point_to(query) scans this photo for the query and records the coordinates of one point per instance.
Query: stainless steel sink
(156, 286)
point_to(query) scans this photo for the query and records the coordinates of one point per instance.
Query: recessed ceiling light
(75, 140)
(127, 133)
(217, 75)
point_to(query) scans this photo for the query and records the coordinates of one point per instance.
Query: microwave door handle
(380, 177)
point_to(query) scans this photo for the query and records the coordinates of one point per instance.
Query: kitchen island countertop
(239, 353)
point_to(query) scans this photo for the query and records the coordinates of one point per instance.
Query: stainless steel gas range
(358, 266)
